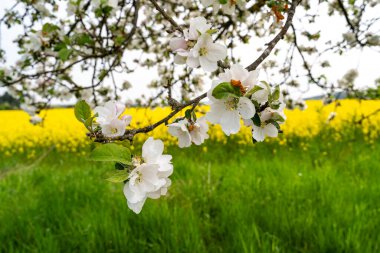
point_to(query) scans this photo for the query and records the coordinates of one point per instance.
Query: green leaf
(64, 54)
(48, 28)
(119, 166)
(212, 31)
(223, 1)
(256, 120)
(84, 39)
(188, 114)
(253, 91)
(88, 123)
(275, 123)
(225, 90)
(111, 152)
(276, 93)
(82, 111)
(117, 176)
(278, 117)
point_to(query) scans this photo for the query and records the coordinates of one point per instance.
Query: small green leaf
(275, 123)
(88, 123)
(117, 176)
(256, 120)
(48, 28)
(276, 93)
(253, 91)
(188, 114)
(64, 54)
(225, 90)
(82, 111)
(278, 117)
(212, 31)
(223, 1)
(111, 152)
(194, 116)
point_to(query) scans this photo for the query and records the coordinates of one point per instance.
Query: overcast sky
(365, 61)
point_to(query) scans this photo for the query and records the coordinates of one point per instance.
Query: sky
(366, 61)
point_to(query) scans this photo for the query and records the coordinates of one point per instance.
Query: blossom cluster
(108, 118)
(197, 47)
(150, 175)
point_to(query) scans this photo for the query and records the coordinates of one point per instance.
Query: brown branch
(129, 134)
(166, 16)
(276, 39)
(350, 24)
(305, 63)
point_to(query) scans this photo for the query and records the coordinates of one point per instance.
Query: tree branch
(276, 39)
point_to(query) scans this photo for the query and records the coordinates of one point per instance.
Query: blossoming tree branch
(184, 41)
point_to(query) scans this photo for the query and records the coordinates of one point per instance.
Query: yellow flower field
(61, 130)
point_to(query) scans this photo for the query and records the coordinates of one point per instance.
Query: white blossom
(197, 47)
(188, 132)
(108, 119)
(206, 54)
(267, 128)
(35, 119)
(228, 111)
(149, 179)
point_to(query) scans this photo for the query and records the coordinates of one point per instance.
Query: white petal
(207, 65)
(230, 122)
(184, 140)
(261, 96)
(197, 25)
(152, 149)
(216, 52)
(216, 110)
(246, 108)
(270, 130)
(136, 207)
(192, 62)
(114, 129)
(251, 80)
(238, 72)
(177, 43)
(132, 196)
(258, 133)
(127, 119)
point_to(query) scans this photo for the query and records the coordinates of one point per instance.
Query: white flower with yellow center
(228, 111)
(197, 47)
(109, 121)
(188, 132)
(149, 179)
(206, 54)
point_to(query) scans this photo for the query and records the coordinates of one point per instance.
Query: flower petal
(246, 108)
(152, 149)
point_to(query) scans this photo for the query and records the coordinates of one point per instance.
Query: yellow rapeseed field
(61, 130)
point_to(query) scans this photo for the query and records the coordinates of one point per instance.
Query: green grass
(261, 198)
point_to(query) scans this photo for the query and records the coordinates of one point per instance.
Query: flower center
(202, 51)
(190, 44)
(190, 127)
(237, 83)
(137, 161)
(113, 130)
(139, 177)
(231, 104)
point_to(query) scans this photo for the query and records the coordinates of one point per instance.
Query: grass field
(232, 198)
